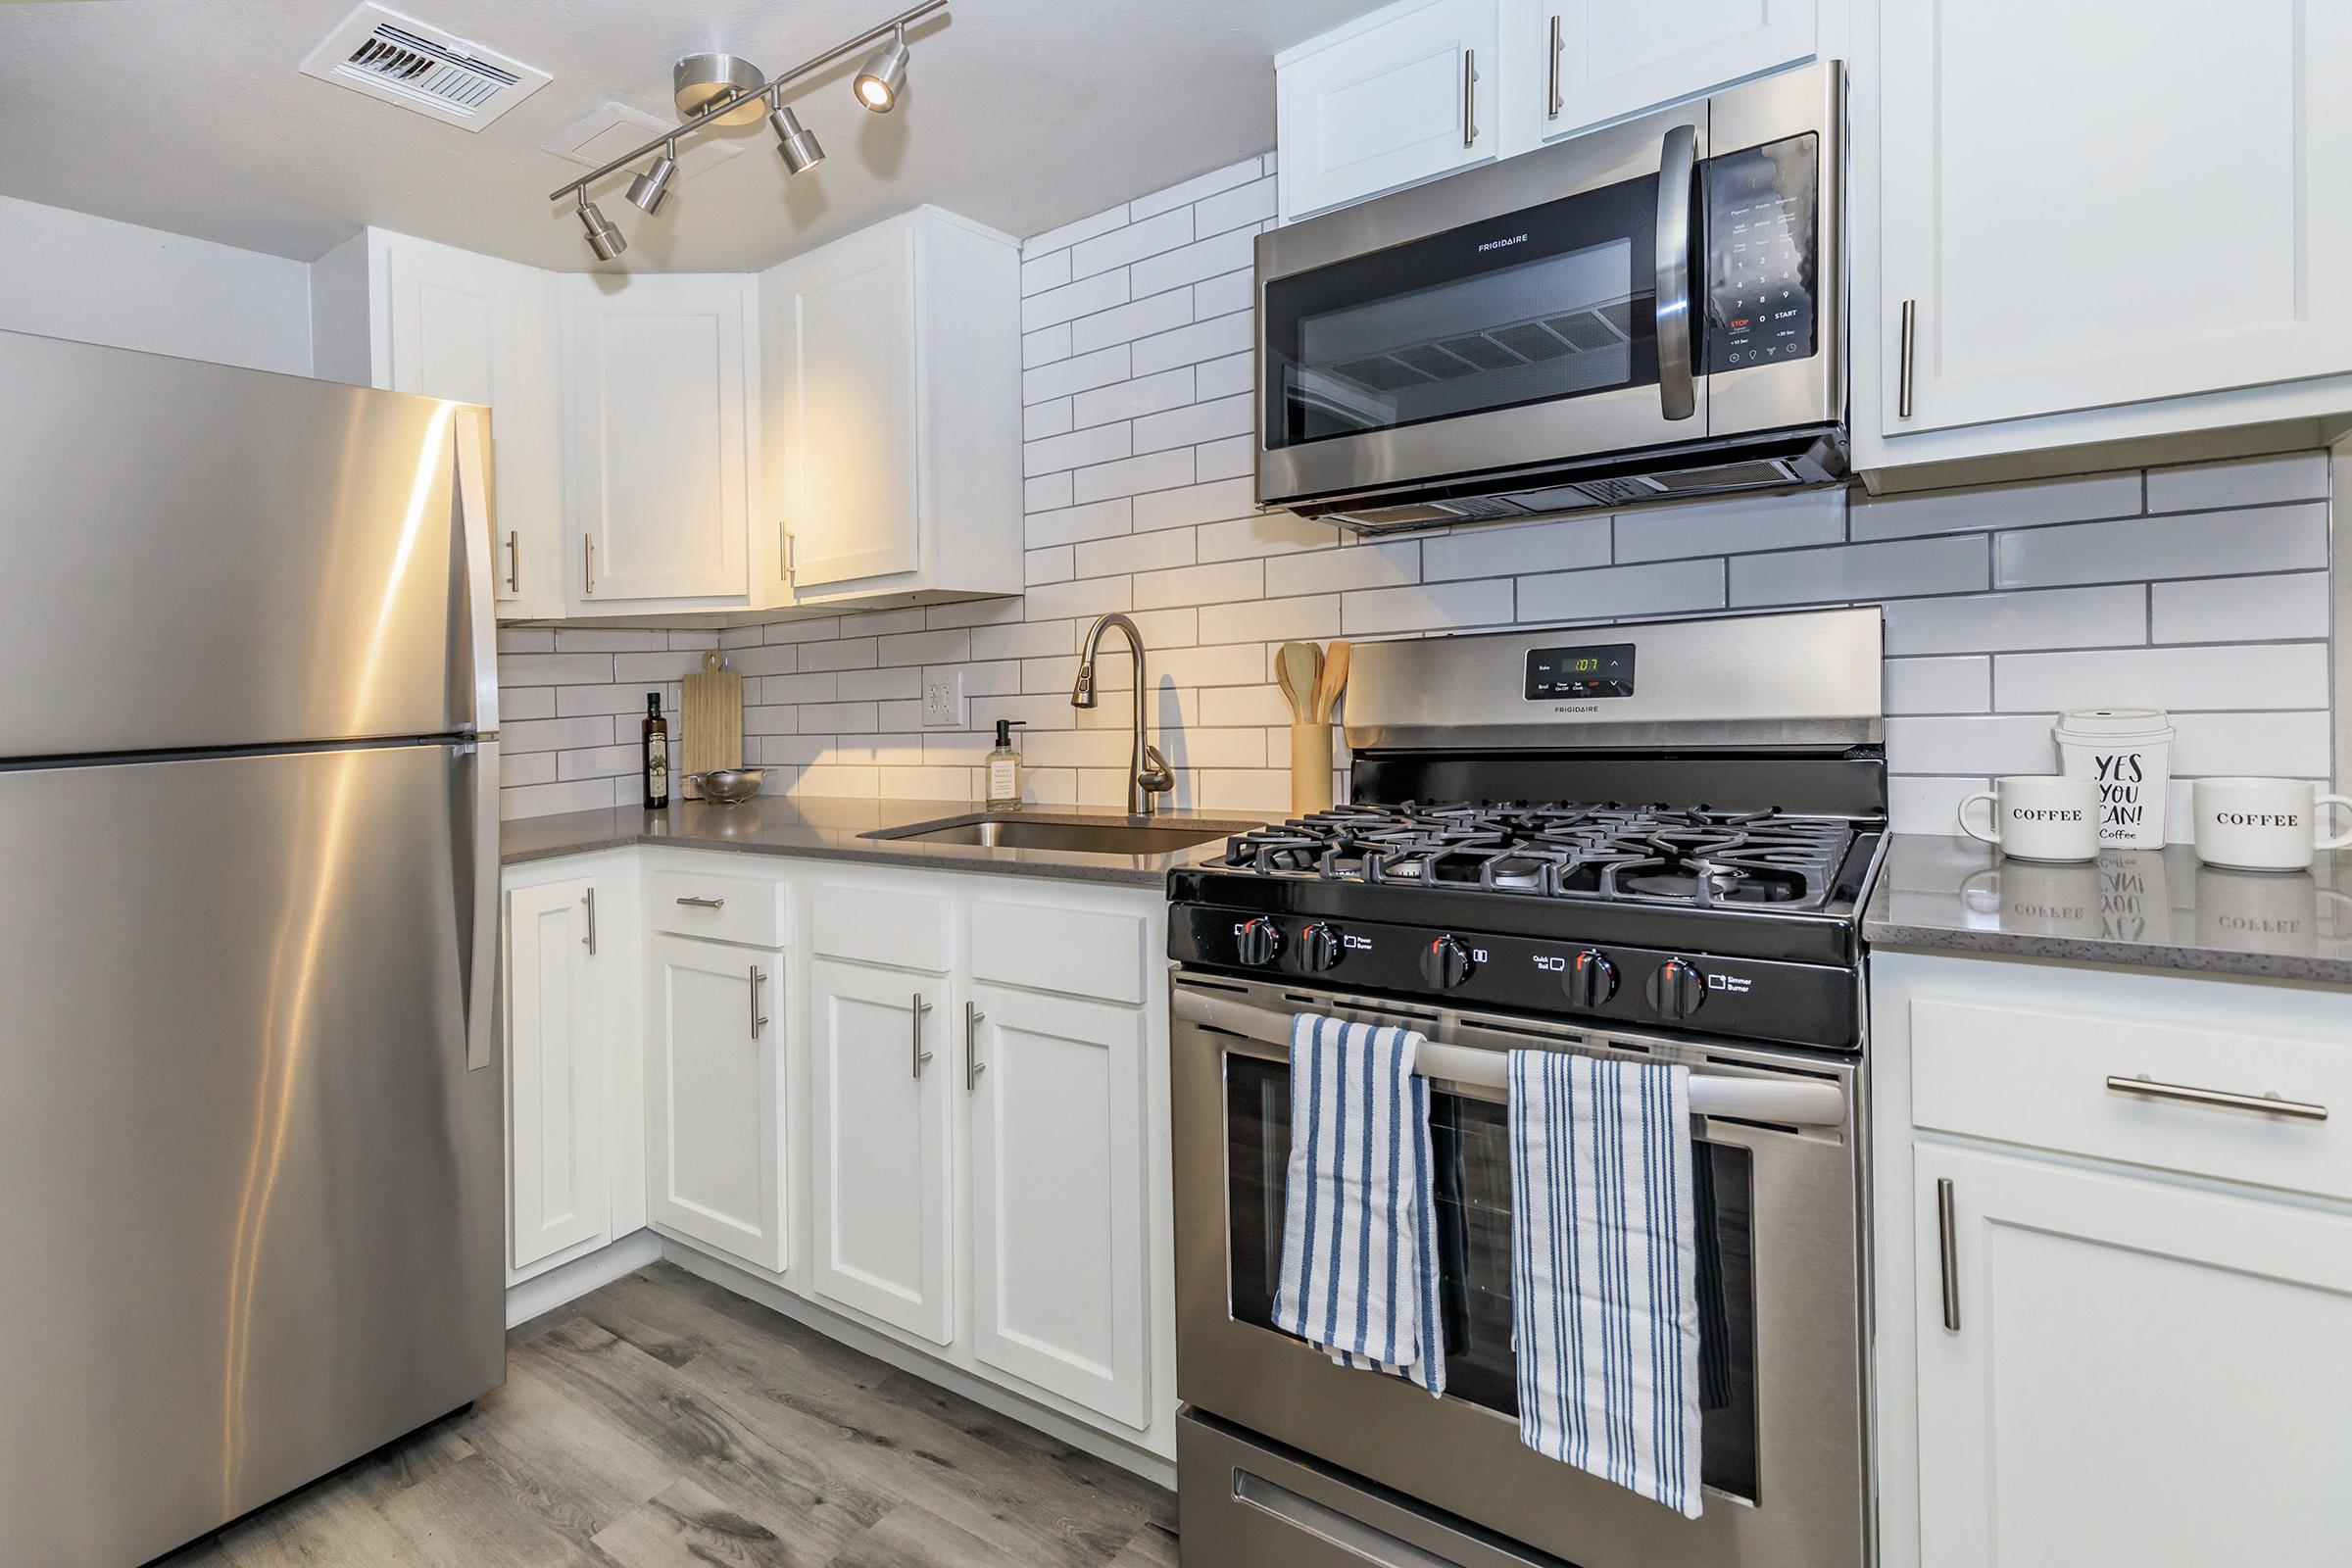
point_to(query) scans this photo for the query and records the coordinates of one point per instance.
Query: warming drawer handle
(1789, 1104)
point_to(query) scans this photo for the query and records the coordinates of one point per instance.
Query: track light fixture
(883, 75)
(649, 190)
(602, 238)
(797, 145)
(723, 89)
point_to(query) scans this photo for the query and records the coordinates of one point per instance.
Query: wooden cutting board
(711, 712)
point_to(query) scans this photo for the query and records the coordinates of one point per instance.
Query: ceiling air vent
(419, 67)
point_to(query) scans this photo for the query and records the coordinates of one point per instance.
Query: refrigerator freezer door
(253, 1216)
(201, 556)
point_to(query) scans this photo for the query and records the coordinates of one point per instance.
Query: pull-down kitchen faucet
(1150, 775)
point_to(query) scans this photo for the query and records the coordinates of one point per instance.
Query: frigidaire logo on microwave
(1498, 244)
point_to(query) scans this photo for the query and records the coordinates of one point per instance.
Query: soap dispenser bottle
(1004, 769)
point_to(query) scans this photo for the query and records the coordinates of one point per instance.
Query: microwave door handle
(1678, 167)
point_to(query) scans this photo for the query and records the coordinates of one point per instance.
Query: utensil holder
(1310, 768)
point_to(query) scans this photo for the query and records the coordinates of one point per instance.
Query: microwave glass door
(1470, 1140)
(1556, 301)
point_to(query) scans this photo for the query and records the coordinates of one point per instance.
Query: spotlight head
(649, 190)
(884, 74)
(602, 238)
(796, 144)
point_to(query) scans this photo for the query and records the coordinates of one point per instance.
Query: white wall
(68, 275)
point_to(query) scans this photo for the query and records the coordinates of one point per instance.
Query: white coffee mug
(2039, 817)
(2264, 824)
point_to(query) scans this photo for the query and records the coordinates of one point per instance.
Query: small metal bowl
(729, 786)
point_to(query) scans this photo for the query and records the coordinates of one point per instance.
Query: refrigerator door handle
(477, 669)
(477, 900)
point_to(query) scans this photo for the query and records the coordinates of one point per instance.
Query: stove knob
(1318, 946)
(1260, 940)
(1591, 979)
(1678, 990)
(1443, 963)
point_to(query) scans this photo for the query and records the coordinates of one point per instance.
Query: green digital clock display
(1579, 675)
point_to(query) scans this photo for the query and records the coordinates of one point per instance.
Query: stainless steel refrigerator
(251, 1149)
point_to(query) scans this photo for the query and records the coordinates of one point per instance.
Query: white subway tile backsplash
(2203, 589)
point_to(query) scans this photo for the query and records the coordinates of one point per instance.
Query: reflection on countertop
(2158, 909)
(825, 828)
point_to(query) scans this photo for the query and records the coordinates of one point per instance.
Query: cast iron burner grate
(1632, 854)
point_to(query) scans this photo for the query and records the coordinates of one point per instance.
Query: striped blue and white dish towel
(1604, 1312)
(1360, 1233)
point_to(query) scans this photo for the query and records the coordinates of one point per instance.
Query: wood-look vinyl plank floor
(663, 1422)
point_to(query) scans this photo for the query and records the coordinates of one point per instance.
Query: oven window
(1470, 1139)
(1553, 302)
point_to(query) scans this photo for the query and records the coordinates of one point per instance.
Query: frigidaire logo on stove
(1499, 244)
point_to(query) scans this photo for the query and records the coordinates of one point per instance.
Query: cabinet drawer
(2040, 1078)
(1079, 953)
(723, 909)
(880, 925)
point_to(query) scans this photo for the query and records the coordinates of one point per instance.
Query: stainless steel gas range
(1650, 842)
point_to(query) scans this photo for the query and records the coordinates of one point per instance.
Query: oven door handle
(1678, 169)
(1789, 1102)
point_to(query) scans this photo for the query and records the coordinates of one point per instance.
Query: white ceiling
(1020, 114)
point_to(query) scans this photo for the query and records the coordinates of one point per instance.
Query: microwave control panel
(1762, 208)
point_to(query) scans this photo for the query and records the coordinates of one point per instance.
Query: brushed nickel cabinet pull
(2216, 1098)
(704, 903)
(588, 565)
(589, 941)
(1902, 392)
(1553, 113)
(973, 1067)
(758, 1022)
(1948, 1239)
(914, 1016)
(513, 562)
(1469, 97)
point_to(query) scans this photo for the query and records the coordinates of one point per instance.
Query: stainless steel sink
(1125, 836)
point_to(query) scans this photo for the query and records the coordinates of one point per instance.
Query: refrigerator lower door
(250, 1186)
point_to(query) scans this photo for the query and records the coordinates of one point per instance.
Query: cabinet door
(1390, 105)
(1574, 63)
(555, 1073)
(840, 330)
(881, 1108)
(482, 330)
(718, 1172)
(658, 385)
(2098, 204)
(1060, 1210)
(2142, 1374)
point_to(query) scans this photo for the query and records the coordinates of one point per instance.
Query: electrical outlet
(943, 698)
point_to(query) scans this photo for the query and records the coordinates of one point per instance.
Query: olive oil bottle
(656, 753)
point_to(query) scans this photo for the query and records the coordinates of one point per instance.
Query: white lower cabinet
(882, 1144)
(2123, 1346)
(555, 1072)
(1061, 1207)
(716, 1096)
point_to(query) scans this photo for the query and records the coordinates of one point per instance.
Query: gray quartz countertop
(835, 829)
(2158, 909)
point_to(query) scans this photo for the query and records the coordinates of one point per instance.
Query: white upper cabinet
(657, 371)
(891, 393)
(1403, 95)
(412, 316)
(1570, 65)
(2101, 207)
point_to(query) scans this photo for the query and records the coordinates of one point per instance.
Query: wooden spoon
(1334, 681)
(1298, 668)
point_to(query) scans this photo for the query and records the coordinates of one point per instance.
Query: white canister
(2129, 753)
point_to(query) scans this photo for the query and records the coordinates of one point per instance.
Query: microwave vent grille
(1752, 475)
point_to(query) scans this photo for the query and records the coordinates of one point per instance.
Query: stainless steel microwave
(1650, 310)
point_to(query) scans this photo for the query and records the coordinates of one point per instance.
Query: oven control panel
(1753, 999)
(1763, 219)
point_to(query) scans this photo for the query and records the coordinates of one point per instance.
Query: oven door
(1780, 1274)
(1534, 310)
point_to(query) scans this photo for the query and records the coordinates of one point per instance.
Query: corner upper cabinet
(410, 315)
(2100, 223)
(1570, 65)
(890, 370)
(1401, 96)
(659, 381)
